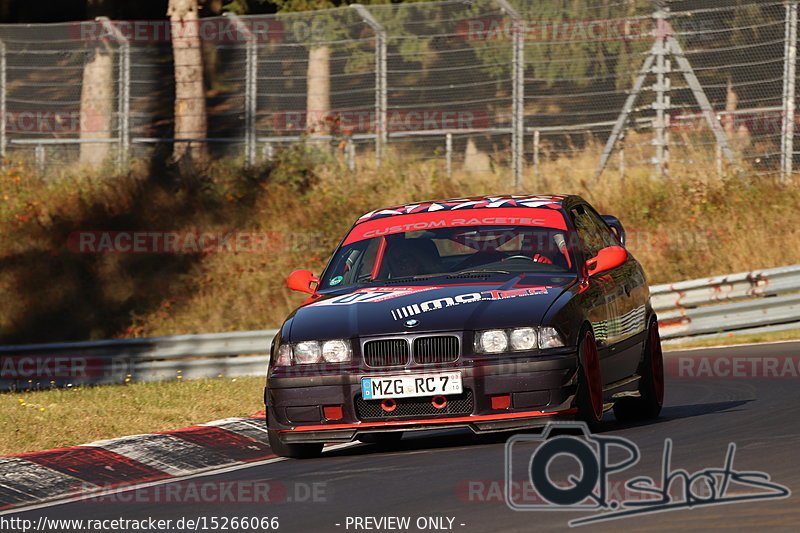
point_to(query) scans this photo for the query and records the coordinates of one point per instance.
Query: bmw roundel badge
(412, 322)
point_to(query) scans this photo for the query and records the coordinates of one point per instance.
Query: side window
(606, 234)
(592, 231)
(352, 264)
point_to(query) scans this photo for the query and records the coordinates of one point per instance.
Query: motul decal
(372, 295)
(470, 297)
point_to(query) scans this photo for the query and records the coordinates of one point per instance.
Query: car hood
(382, 310)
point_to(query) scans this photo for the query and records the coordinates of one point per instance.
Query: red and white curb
(78, 471)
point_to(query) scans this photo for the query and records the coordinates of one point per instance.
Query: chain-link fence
(483, 86)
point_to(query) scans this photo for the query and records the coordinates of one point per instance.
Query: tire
(296, 451)
(589, 396)
(382, 440)
(651, 385)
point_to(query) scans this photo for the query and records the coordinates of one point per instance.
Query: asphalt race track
(461, 477)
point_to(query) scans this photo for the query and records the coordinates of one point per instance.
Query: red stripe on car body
(476, 418)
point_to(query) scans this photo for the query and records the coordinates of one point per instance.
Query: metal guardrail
(747, 302)
(241, 353)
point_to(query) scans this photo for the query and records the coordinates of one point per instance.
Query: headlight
(516, 340)
(336, 351)
(549, 338)
(307, 352)
(284, 355)
(492, 341)
(310, 352)
(523, 339)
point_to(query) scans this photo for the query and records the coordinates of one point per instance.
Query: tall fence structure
(485, 85)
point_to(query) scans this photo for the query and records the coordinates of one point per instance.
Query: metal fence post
(251, 106)
(250, 89)
(3, 107)
(39, 156)
(517, 91)
(536, 135)
(789, 73)
(448, 153)
(124, 105)
(350, 154)
(381, 88)
(662, 87)
(123, 91)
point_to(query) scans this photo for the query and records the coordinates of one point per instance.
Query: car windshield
(447, 251)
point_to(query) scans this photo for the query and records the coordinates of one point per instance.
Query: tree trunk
(318, 91)
(97, 106)
(97, 95)
(190, 104)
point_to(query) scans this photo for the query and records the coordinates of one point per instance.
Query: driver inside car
(412, 257)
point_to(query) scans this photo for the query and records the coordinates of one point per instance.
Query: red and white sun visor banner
(546, 218)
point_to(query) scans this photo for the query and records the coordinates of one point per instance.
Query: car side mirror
(606, 259)
(301, 280)
(616, 227)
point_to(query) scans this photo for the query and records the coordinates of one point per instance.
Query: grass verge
(40, 420)
(731, 339)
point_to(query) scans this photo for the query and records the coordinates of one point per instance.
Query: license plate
(411, 385)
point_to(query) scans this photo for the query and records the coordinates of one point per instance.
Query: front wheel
(296, 451)
(589, 396)
(651, 385)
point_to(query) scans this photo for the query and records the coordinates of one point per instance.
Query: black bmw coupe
(493, 313)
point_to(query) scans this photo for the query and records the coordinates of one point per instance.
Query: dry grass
(731, 339)
(696, 224)
(39, 420)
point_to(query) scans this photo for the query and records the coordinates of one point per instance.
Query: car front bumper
(538, 389)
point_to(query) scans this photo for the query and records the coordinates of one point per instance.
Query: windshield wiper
(394, 280)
